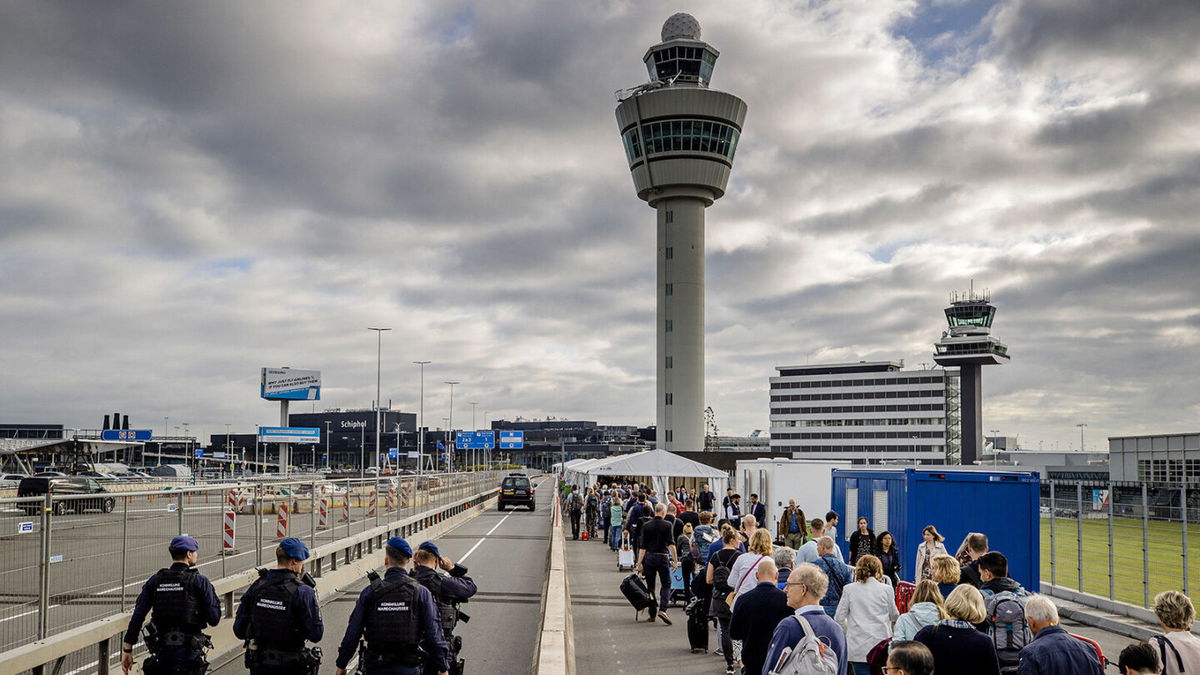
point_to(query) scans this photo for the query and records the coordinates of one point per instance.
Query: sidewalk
(607, 640)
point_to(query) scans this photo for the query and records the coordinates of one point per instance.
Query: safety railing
(69, 560)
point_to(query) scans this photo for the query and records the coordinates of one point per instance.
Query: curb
(556, 645)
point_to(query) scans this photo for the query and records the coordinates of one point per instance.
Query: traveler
(956, 645)
(909, 658)
(1004, 601)
(1139, 658)
(1178, 648)
(793, 526)
(805, 588)
(972, 549)
(831, 521)
(785, 562)
(718, 579)
(656, 557)
(1053, 650)
(591, 510)
(889, 557)
(706, 499)
(866, 612)
(925, 551)
(689, 557)
(749, 524)
(733, 510)
(808, 552)
(757, 509)
(726, 501)
(741, 575)
(716, 545)
(862, 541)
(616, 514)
(926, 608)
(945, 573)
(688, 514)
(633, 523)
(993, 570)
(705, 537)
(605, 509)
(278, 613)
(184, 603)
(399, 619)
(755, 615)
(449, 590)
(575, 509)
(838, 572)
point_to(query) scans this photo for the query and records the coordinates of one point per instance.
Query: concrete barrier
(555, 653)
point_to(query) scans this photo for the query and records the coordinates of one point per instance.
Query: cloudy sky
(191, 191)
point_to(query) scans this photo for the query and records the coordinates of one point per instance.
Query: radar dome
(681, 27)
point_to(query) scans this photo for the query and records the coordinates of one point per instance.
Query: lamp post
(228, 447)
(327, 433)
(474, 427)
(378, 363)
(450, 423)
(1081, 426)
(421, 420)
(995, 450)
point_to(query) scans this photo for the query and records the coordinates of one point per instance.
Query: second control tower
(680, 137)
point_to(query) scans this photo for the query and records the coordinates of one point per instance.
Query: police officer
(447, 591)
(399, 619)
(278, 613)
(184, 603)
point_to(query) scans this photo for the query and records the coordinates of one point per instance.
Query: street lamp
(421, 421)
(450, 423)
(474, 427)
(378, 404)
(995, 448)
(327, 435)
(228, 446)
(1081, 426)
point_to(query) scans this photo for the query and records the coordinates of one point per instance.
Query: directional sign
(512, 440)
(393, 453)
(25, 528)
(55, 559)
(475, 440)
(172, 508)
(289, 434)
(414, 454)
(126, 435)
(199, 452)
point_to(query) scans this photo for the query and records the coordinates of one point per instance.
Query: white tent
(662, 469)
(577, 469)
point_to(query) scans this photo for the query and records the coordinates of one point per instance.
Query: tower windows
(670, 327)
(669, 289)
(670, 217)
(670, 399)
(669, 252)
(670, 362)
(682, 136)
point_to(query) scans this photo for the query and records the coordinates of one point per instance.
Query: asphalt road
(505, 553)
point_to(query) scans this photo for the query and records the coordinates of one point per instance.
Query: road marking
(489, 532)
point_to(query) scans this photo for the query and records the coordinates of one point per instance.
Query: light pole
(327, 432)
(421, 420)
(378, 363)
(475, 455)
(1081, 426)
(995, 449)
(450, 423)
(228, 446)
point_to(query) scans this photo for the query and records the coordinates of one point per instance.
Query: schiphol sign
(512, 440)
(475, 440)
(287, 384)
(289, 435)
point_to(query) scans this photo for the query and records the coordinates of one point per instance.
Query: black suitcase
(634, 590)
(697, 630)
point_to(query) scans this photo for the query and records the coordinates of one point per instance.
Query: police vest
(391, 623)
(447, 611)
(176, 601)
(272, 623)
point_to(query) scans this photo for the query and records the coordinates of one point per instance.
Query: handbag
(732, 597)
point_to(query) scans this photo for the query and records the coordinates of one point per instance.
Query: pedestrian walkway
(607, 640)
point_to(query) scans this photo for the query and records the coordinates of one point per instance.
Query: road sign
(289, 434)
(55, 559)
(25, 528)
(414, 454)
(512, 440)
(199, 452)
(393, 453)
(126, 435)
(475, 440)
(220, 455)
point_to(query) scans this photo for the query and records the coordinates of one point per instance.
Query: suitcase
(635, 591)
(625, 555)
(697, 626)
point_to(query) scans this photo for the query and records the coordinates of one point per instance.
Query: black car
(515, 489)
(38, 486)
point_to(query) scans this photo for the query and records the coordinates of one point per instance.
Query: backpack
(721, 578)
(1163, 645)
(704, 540)
(1007, 627)
(810, 656)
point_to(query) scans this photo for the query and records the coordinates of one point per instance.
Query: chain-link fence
(67, 560)
(1122, 541)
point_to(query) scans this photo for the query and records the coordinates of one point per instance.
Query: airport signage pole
(378, 401)
(450, 423)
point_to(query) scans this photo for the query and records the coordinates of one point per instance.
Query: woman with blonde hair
(926, 550)
(946, 573)
(866, 612)
(1178, 648)
(927, 608)
(742, 574)
(956, 645)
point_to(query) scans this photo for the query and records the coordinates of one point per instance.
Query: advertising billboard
(289, 435)
(288, 384)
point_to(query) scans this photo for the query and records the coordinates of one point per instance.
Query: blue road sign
(393, 453)
(199, 452)
(475, 440)
(512, 440)
(126, 435)
(289, 434)
(25, 528)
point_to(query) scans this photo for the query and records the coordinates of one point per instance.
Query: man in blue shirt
(805, 588)
(278, 613)
(756, 614)
(395, 614)
(840, 574)
(184, 602)
(1053, 650)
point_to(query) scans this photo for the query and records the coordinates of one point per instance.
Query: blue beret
(185, 542)
(294, 548)
(399, 544)
(431, 547)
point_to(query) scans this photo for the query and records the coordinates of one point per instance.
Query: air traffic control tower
(969, 344)
(680, 137)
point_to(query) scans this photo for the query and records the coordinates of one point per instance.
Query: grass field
(1165, 546)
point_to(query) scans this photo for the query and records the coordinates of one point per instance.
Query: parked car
(37, 486)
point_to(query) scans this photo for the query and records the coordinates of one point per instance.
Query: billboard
(280, 384)
(289, 434)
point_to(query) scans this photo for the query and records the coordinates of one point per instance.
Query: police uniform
(278, 613)
(398, 617)
(447, 591)
(183, 603)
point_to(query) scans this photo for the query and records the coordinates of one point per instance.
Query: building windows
(683, 136)
(669, 253)
(670, 436)
(670, 217)
(670, 327)
(670, 399)
(670, 362)
(670, 289)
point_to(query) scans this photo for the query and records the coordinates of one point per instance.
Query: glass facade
(693, 64)
(682, 136)
(970, 315)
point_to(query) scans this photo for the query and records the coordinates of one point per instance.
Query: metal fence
(67, 560)
(1122, 541)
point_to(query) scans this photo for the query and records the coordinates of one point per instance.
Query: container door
(879, 511)
(850, 521)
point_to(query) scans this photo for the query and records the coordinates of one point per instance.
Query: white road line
(489, 532)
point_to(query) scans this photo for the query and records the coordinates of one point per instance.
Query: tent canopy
(661, 467)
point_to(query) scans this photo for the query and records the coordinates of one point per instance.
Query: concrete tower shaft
(680, 138)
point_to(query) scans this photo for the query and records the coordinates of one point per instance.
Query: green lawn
(1165, 557)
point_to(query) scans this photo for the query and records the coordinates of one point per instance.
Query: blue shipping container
(1001, 504)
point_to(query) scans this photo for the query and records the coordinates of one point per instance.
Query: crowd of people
(771, 589)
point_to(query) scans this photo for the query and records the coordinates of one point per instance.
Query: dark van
(515, 489)
(38, 486)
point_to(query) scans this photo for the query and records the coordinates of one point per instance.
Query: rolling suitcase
(697, 625)
(634, 590)
(625, 555)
